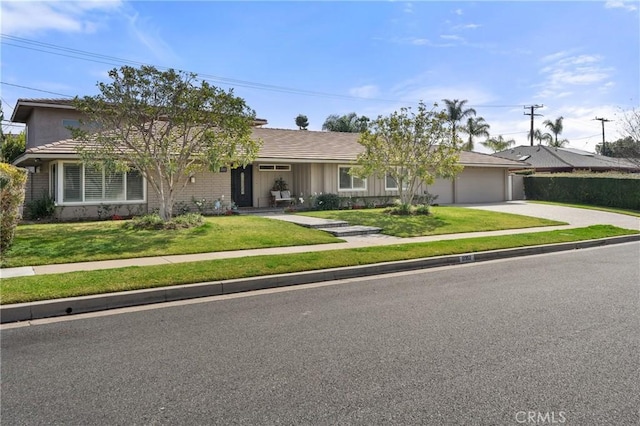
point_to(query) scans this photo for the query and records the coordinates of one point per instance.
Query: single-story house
(550, 159)
(309, 161)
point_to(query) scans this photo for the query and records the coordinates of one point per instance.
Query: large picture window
(348, 182)
(82, 184)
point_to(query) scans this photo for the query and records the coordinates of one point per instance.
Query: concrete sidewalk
(575, 218)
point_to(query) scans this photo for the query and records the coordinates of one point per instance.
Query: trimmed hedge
(607, 191)
(12, 184)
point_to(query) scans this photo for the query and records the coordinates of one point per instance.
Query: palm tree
(456, 112)
(539, 136)
(556, 128)
(498, 144)
(349, 123)
(475, 127)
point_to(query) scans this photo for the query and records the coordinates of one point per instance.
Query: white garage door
(480, 185)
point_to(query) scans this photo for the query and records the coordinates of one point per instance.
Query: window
(75, 124)
(83, 184)
(72, 183)
(274, 167)
(390, 183)
(346, 182)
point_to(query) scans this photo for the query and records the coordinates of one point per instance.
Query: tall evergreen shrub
(12, 186)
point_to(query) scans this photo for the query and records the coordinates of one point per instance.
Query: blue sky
(579, 59)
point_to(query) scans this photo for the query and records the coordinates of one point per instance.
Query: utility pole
(532, 108)
(603, 151)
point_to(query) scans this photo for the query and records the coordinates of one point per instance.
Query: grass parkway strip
(44, 287)
(56, 243)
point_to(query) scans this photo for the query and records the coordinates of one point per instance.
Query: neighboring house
(310, 162)
(549, 159)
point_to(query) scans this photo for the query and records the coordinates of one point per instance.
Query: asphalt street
(534, 340)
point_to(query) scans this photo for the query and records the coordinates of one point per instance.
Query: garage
(480, 185)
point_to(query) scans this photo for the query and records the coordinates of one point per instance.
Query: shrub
(154, 222)
(327, 201)
(42, 208)
(403, 209)
(12, 184)
(594, 189)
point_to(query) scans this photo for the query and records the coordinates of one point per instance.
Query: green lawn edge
(627, 212)
(45, 287)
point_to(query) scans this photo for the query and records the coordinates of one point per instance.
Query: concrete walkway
(575, 217)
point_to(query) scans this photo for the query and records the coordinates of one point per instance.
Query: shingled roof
(546, 158)
(282, 145)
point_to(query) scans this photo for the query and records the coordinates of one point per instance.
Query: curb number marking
(467, 258)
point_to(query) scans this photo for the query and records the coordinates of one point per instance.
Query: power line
(115, 61)
(37, 90)
(532, 114)
(604, 146)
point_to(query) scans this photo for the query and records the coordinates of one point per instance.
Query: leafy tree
(475, 127)
(622, 148)
(631, 124)
(409, 147)
(456, 112)
(165, 124)
(349, 123)
(302, 122)
(498, 144)
(556, 128)
(12, 146)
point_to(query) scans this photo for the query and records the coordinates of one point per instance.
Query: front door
(241, 185)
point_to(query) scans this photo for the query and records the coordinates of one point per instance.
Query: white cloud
(367, 91)
(467, 27)
(451, 37)
(144, 31)
(420, 41)
(408, 8)
(563, 70)
(26, 18)
(458, 12)
(617, 4)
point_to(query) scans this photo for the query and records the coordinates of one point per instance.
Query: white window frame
(405, 186)
(58, 191)
(352, 189)
(274, 167)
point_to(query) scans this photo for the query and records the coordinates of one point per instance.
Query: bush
(327, 201)
(154, 222)
(599, 190)
(42, 208)
(402, 209)
(12, 183)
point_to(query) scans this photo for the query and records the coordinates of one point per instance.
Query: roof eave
(23, 109)
(31, 159)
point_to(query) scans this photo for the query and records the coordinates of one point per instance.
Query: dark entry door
(241, 185)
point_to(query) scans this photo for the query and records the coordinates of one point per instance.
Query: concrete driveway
(573, 216)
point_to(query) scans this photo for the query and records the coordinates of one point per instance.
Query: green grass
(43, 244)
(42, 287)
(590, 207)
(444, 220)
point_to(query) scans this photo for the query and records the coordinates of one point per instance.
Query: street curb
(76, 305)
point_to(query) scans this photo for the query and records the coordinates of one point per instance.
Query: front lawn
(43, 244)
(443, 220)
(43, 287)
